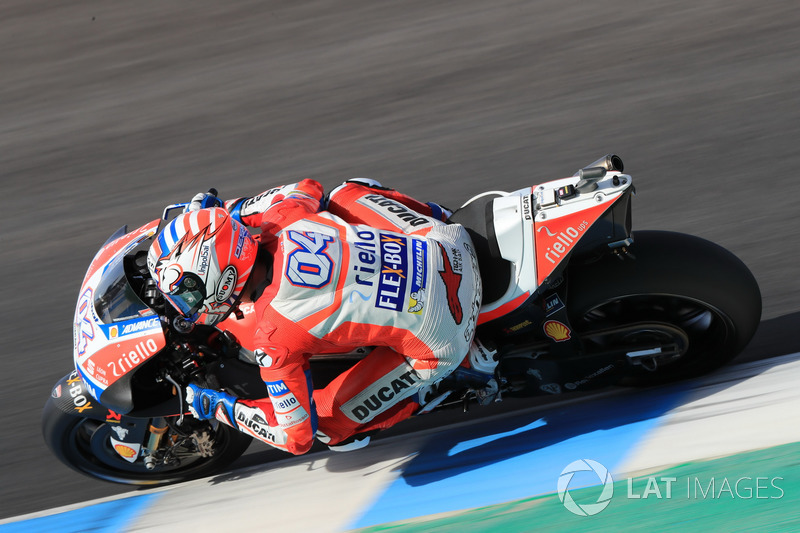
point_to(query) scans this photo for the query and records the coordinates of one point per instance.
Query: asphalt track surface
(108, 111)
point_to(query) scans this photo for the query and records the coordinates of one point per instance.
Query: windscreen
(115, 299)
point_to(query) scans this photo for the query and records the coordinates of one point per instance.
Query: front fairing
(114, 332)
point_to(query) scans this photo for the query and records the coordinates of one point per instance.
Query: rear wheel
(706, 294)
(83, 444)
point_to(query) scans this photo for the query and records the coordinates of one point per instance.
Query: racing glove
(207, 403)
(202, 200)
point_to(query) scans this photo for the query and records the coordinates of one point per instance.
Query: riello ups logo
(562, 241)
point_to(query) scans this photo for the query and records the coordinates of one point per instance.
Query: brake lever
(180, 398)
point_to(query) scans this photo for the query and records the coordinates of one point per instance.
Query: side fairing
(113, 331)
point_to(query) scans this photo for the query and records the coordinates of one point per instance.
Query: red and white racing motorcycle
(572, 301)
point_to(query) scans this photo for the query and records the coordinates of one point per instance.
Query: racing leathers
(374, 268)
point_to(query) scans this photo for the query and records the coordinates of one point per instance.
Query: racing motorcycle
(573, 300)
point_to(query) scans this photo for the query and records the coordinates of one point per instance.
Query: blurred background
(110, 110)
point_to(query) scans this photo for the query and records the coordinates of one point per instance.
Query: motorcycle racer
(366, 266)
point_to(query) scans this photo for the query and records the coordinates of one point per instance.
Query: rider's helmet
(201, 261)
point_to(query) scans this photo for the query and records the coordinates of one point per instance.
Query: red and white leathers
(374, 269)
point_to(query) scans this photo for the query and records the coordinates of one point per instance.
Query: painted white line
(737, 409)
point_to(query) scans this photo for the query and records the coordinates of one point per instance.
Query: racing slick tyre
(84, 445)
(708, 296)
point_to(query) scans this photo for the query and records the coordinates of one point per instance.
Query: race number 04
(309, 265)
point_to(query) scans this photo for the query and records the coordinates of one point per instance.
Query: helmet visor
(188, 296)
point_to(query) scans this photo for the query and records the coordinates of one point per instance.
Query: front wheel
(703, 291)
(83, 444)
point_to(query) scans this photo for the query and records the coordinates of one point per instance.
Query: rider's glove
(208, 403)
(202, 200)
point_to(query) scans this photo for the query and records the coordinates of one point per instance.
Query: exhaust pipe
(596, 171)
(610, 162)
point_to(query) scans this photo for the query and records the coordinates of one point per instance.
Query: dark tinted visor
(189, 295)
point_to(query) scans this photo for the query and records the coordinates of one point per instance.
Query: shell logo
(125, 451)
(113, 332)
(557, 331)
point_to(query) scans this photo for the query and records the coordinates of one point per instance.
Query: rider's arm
(285, 419)
(294, 419)
(341, 198)
(252, 211)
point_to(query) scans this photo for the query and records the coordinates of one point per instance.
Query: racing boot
(354, 442)
(476, 373)
(482, 359)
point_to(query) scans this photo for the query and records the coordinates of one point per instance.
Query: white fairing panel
(520, 215)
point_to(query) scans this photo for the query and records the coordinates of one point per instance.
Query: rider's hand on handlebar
(202, 200)
(207, 403)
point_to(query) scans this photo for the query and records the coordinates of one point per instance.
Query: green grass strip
(753, 491)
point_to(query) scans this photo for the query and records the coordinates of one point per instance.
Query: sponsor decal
(563, 241)
(371, 401)
(419, 260)
(255, 422)
(277, 388)
(393, 273)
(227, 284)
(552, 304)
(113, 417)
(393, 211)
(556, 238)
(84, 326)
(290, 402)
(205, 251)
(308, 265)
(240, 243)
(260, 203)
(365, 269)
(417, 302)
(556, 331)
(141, 351)
(120, 431)
(56, 392)
(288, 411)
(130, 327)
(97, 372)
(140, 325)
(475, 306)
(127, 451)
(526, 207)
(86, 384)
(79, 401)
(452, 282)
(517, 327)
(587, 379)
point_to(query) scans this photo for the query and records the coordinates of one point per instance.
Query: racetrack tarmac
(109, 111)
